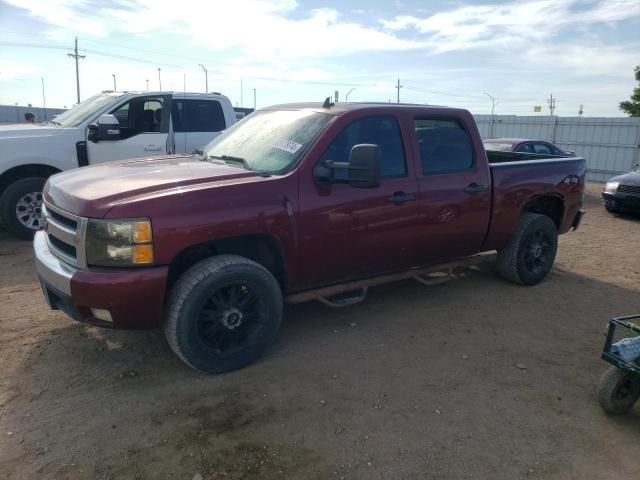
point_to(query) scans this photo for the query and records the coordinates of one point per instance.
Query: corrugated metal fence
(15, 114)
(610, 145)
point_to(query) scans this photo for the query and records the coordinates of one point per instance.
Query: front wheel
(223, 313)
(530, 255)
(21, 207)
(618, 390)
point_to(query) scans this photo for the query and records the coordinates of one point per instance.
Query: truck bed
(519, 177)
(500, 156)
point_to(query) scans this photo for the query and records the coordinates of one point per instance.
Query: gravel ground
(474, 378)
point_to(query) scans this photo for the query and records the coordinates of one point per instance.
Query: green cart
(619, 386)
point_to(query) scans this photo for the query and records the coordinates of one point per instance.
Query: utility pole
(77, 57)
(206, 78)
(398, 87)
(580, 111)
(241, 92)
(44, 101)
(114, 82)
(552, 104)
(159, 80)
(493, 108)
(254, 99)
(147, 80)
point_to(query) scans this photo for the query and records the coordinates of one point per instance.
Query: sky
(444, 52)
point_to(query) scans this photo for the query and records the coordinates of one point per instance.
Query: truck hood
(29, 130)
(93, 191)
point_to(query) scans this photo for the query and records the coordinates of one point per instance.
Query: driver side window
(382, 130)
(140, 115)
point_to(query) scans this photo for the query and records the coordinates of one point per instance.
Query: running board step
(344, 302)
(425, 276)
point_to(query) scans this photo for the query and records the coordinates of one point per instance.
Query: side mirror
(363, 168)
(107, 127)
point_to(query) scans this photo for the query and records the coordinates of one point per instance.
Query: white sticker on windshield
(287, 145)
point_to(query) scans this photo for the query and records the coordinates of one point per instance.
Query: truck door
(196, 121)
(348, 232)
(144, 131)
(454, 191)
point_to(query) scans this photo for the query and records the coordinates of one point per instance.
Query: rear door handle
(399, 198)
(152, 148)
(473, 188)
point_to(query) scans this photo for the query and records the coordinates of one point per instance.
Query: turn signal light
(142, 254)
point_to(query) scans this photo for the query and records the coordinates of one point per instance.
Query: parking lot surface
(473, 378)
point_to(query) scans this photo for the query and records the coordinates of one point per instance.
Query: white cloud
(512, 24)
(12, 70)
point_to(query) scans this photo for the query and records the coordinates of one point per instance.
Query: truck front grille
(65, 235)
(629, 190)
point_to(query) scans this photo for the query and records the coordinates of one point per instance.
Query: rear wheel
(223, 313)
(618, 390)
(21, 207)
(530, 255)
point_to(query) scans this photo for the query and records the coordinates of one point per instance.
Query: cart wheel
(618, 390)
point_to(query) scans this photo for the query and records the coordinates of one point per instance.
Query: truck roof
(165, 92)
(343, 107)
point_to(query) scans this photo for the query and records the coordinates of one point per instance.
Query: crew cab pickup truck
(108, 126)
(293, 203)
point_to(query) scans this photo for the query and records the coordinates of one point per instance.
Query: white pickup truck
(106, 127)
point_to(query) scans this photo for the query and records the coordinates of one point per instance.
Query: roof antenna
(327, 103)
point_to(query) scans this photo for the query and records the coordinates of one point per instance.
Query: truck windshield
(81, 112)
(268, 141)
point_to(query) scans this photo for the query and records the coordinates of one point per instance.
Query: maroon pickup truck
(295, 202)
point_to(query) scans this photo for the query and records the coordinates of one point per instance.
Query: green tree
(632, 107)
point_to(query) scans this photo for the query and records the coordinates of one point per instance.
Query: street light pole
(159, 80)
(206, 78)
(346, 97)
(114, 82)
(147, 80)
(493, 107)
(44, 101)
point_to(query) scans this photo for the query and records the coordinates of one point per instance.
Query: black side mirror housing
(363, 168)
(107, 127)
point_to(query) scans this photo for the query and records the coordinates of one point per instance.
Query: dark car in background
(539, 147)
(622, 193)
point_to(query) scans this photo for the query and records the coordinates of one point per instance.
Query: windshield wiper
(231, 160)
(53, 122)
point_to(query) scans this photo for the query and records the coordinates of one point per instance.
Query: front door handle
(152, 148)
(473, 188)
(399, 198)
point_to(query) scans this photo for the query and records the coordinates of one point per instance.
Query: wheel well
(263, 249)
(24, 171)
(551, 206)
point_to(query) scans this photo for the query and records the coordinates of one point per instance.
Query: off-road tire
(611, 381)
(9, 200)
(194, 289)
(511, 259)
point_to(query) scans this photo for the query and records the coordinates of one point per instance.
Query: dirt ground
(474, 378)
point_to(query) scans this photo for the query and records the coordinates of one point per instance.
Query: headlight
(611, 187)
(122, 243)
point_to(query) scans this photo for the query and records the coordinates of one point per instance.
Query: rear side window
(542, 149)
(444, 146)
(192, 115)
(381, 130)
(525, 148)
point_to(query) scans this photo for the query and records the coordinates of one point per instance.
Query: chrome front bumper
(51, 269)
